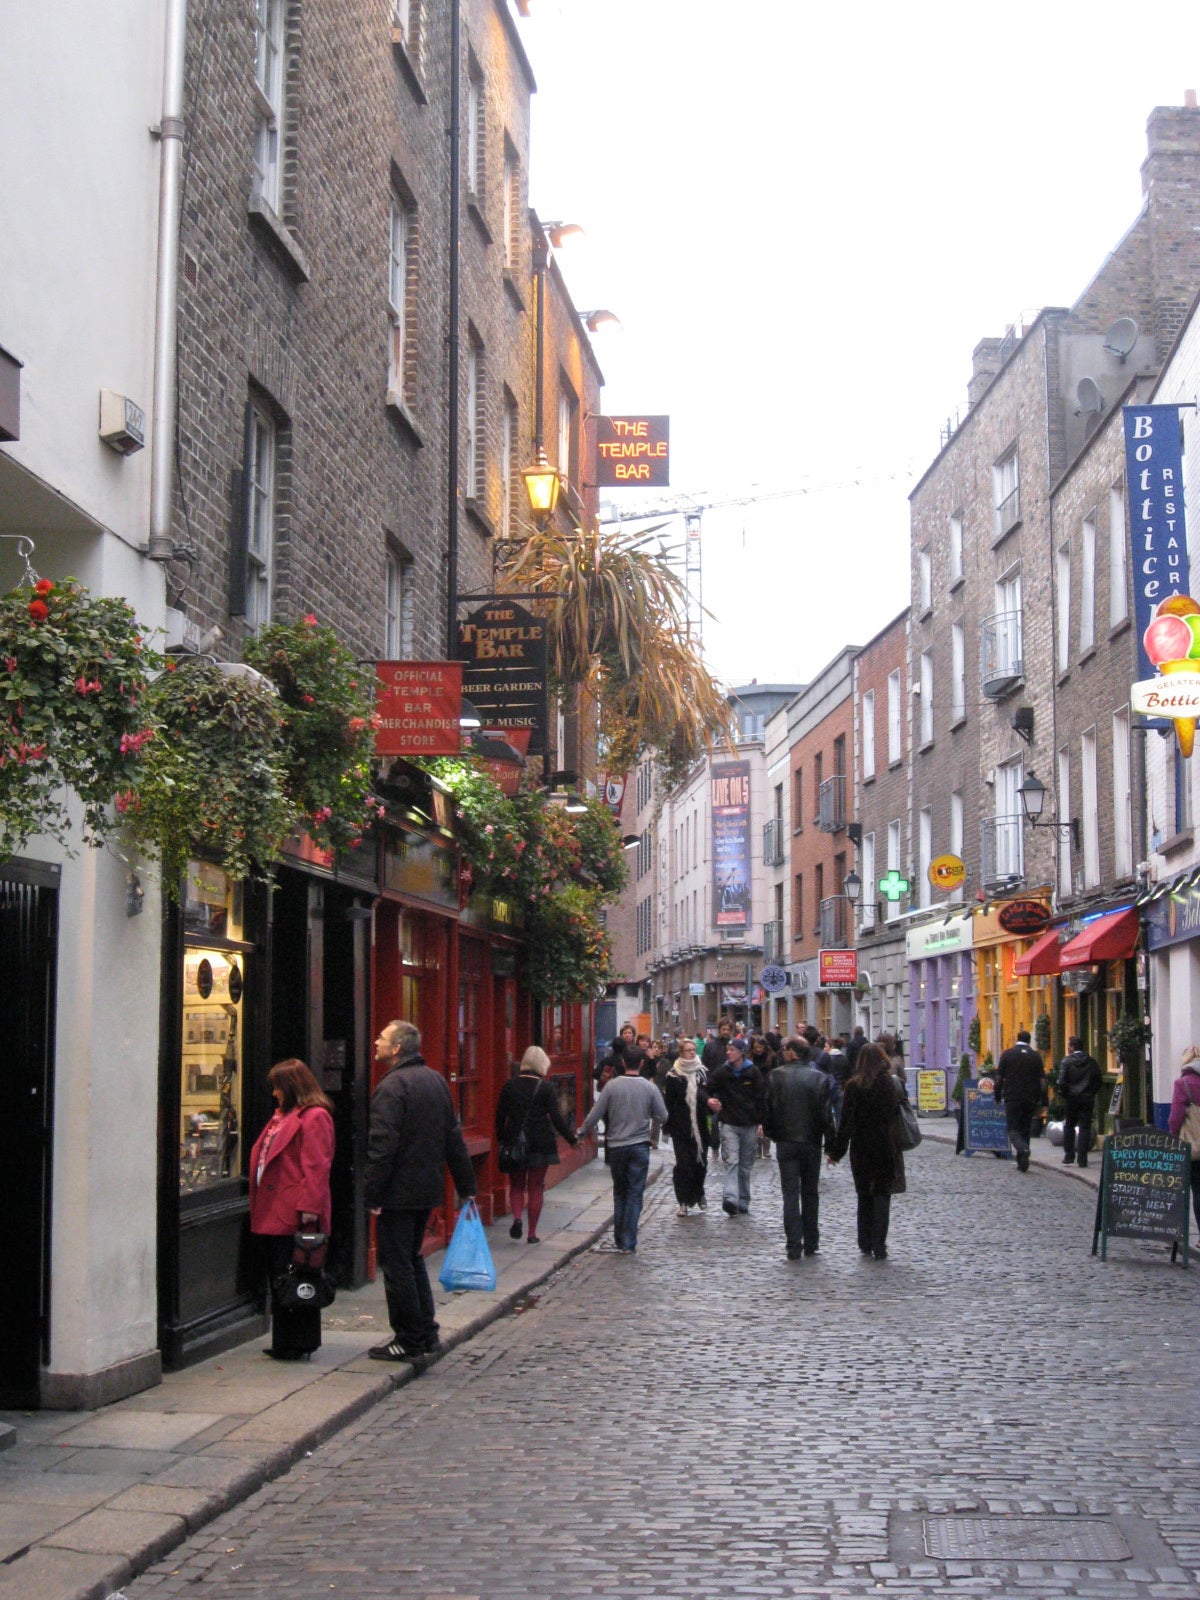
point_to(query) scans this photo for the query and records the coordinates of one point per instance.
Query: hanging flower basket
(328, 724)
(73, 669)
(568, 953)
(489, 825)
(213, 779)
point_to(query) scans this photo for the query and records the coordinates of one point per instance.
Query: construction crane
(691, 508)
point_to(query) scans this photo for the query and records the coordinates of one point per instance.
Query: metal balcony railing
(773, 942)
(835, 923)
(1003, 858)
(1001, 656)
(773, 842)
(1008, 512)
(831, 811)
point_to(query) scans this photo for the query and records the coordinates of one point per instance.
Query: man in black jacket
(1021, 1088)
(798, 1117)
(1079, 1080)
(735, 1093)
(414, 1136)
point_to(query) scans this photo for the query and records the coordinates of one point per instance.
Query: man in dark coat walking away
(1021, 1089)
(414, 1136)
(799, 1117)
(1079, 1080)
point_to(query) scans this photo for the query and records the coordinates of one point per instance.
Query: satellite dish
(1121, 337)
(1091, 401)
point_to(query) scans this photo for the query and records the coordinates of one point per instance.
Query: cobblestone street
(990, 1411)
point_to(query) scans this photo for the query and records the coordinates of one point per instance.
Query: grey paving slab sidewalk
(88, 1498)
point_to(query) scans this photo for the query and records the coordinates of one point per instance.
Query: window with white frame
(958, 672)
(926, 682)
(1089, 805)
(925, 580)
(400, 267)
(956, 547)
(508, 466)
(1009, 855)
(262, 439)
(1062, 618)
(1066, 883)
(1087, 585)
(474, 419)
(568, 417)
(1122, 788)
(868, 734)
(1118, 557)
(870, 890)
(924, 855)
(956, 823)
(476, 127)
(408, 18)
(269, 25)
(893, 864)
(397, 605)
(512, 205)
(1006, 493)
(895, 718)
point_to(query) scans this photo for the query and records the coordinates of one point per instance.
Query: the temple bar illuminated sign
(633, 450)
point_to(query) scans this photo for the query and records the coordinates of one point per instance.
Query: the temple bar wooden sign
(502, 646)
(633, 451)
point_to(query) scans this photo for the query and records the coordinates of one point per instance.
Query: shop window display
(214, 979)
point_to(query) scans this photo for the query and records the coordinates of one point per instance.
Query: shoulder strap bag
(908, 1127)
(514, 1152)
(1189, 1132)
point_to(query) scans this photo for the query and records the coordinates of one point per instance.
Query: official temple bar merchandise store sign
(418, 704)
(1145, 1187)
(633, 451)
(502, 646)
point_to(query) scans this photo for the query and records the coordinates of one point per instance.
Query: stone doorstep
(8, 1436)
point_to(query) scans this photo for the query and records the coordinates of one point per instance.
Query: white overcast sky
(806, 217)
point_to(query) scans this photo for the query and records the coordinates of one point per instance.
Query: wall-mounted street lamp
(1033, 801)
(468, 718)
(542, 485)
(597, 321)
(852, 887)
(630, 841)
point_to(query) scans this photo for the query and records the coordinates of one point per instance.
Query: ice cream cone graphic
(1172, 642)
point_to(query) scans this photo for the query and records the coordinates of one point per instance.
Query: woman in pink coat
(289, 1189)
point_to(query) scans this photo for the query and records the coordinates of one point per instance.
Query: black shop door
(28, 958)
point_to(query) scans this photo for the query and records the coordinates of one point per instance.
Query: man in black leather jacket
(414, 1136)
(1079, 1080)
(799, 1117)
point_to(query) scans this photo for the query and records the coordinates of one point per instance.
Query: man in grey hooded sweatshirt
(626, 1105)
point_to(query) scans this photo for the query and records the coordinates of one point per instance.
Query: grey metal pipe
(161, 546)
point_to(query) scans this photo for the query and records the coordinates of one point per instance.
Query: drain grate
(1024, 1539)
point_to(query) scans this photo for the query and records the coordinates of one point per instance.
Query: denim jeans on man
(398, 1237)
(799, 1178)
(629, 1164)
(739, 1146)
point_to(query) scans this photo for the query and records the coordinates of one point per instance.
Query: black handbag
(514, 1152)
(305, 1283)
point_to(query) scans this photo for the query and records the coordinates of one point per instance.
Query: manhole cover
(1024, 1539)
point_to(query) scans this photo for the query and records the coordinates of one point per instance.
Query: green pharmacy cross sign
(893, 886)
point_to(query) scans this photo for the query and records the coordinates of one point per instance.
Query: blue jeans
(629, 1164)
(739, 1146)
(799, 1178)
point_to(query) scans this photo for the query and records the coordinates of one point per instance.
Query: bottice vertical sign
(503, 650)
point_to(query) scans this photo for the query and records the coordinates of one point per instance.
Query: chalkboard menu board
(985, 1126)
(1145, 1185)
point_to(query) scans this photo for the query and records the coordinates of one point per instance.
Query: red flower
(38, 610)
(310, 620)
(43, 587)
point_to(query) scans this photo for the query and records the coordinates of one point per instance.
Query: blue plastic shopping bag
(468, 1263)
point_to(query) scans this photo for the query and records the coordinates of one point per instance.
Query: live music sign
(633, 451)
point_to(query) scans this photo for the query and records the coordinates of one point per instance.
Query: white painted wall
(79, 90)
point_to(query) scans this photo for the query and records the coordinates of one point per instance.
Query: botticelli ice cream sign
(1168, 618)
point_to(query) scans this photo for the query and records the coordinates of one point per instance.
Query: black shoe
(1068, 1160)
(794, 1252)
(533, 1239)
(743, 1211)
(395, 1351)
(728, 1207)
(1081, 1161)
(515, 1231)
(288, 1355)
(1022, 1160)
(811, 1250)
(880, 1254)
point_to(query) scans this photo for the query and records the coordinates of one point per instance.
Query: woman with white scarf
(687, 1126)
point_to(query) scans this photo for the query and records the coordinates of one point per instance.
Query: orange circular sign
(947, 872)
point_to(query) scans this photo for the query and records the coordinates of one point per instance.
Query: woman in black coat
(528, 1105)
(688, 1126)
(870, 1130)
